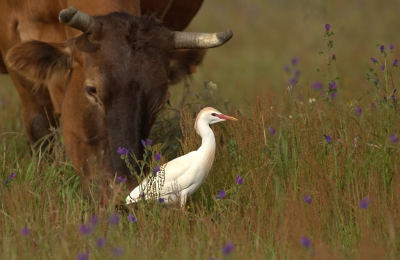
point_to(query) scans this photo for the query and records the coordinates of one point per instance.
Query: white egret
(181, 177)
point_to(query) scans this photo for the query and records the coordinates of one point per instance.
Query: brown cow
(108, 82)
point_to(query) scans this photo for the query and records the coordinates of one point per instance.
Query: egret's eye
(214, 114)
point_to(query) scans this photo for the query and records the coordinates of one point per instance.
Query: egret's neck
(207, 137)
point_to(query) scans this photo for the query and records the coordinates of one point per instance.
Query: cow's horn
(194, 40)
(76, 19)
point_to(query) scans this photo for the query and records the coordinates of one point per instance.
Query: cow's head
(117, 75)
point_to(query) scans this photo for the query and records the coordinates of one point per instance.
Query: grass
(269, 215)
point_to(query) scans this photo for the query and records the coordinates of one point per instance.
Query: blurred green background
(267, 35)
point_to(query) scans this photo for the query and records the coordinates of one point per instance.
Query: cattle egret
(181, 177)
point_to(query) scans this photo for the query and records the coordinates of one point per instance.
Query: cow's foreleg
(37, 110)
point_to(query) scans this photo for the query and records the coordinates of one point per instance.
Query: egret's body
(181, 177)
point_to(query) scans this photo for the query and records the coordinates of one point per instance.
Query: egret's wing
(179, 166)
(173, 177)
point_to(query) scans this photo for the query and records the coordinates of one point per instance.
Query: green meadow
(309, 171)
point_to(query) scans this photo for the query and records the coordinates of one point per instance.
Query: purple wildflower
(131, 218)
(271, 130)
(123, 151)
(93, 220)
(327, 27)
(142, 195)
(239, 180)
(333, 85)
(228, 248)
(305, 242)
(317, 85)
(9, 179)
(395, 63)
(122, 179)
(358, 110)
(156, 169)
(382, 67)
(117, 251)
(364, 203)
(25, 232)
(161, 200)
(85, 229)
(393, 138)
(391, 46)
(374, 61)
(286, 68)
(157, 157)
(382, 48)
(146, 143)
(295, 61)
(393, 97)
(328, 139)
(333, 95)
(101, 242)
(334, 56)
(307, 199)
(292, 81)
(222, 194)
(114, 219)
(83, 256)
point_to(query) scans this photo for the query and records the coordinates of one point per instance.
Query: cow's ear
(183, 63)
(40, 62)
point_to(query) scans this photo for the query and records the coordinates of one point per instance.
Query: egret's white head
(210, 116)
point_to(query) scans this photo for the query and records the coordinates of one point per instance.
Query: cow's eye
(214, 114)
(91, 90)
